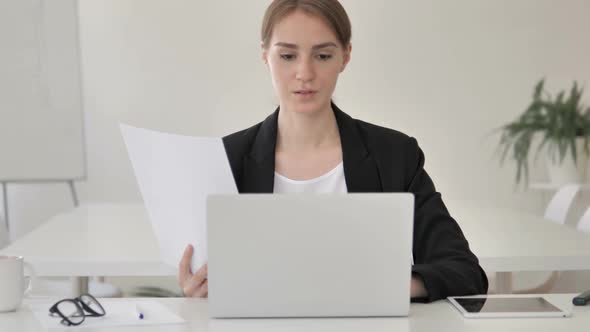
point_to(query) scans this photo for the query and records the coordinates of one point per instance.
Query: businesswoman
(309, 145)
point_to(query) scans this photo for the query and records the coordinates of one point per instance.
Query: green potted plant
(564, 129)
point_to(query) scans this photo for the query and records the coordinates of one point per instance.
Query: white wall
(446, 72)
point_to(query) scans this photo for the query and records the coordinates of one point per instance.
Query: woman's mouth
(305, 94)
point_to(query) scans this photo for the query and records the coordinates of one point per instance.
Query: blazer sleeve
(442, 258)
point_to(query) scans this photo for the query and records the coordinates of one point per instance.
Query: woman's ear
(347, 52)
(264, 53)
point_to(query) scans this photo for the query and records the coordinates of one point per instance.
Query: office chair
(556, 211)
(584, 223)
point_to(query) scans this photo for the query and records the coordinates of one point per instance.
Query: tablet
(483, 306)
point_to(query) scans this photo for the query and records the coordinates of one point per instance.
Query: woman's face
(305, 58)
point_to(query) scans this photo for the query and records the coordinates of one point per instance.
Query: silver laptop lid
(309, 255)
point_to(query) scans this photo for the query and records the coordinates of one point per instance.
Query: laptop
(317, 255)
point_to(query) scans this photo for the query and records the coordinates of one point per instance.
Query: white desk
(438, 316)
(93, 240)
(507, 240)
(116, 240)
(548, 186)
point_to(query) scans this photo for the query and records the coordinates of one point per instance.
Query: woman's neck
(305, 132)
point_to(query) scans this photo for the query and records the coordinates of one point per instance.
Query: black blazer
(376, 159)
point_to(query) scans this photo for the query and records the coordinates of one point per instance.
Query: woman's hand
(192, 285)
(417, 289)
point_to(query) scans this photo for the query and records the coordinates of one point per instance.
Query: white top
(331, 182)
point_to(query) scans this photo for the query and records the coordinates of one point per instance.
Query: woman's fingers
(194, 286)
(203, 290)
(203, 271)
(184, 267)
(194, 290)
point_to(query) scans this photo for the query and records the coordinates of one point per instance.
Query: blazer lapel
(360, 169)
(259, 164)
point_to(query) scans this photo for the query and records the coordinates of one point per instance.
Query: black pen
(582, 299)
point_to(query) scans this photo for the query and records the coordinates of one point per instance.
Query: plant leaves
(560, 120)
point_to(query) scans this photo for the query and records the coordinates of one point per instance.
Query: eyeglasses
(74, 311)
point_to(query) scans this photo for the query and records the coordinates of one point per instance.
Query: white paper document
(119, 312)
(175, 175)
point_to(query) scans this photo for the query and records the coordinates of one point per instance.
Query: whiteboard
(41, 116)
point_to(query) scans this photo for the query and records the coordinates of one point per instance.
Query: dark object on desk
(74, 311)
(582, 299)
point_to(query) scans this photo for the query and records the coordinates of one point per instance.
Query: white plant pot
(568, 171)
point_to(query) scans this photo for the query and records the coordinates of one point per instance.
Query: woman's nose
(305, 71)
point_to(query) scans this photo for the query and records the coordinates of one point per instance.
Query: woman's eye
(287, 57)
(324, 57)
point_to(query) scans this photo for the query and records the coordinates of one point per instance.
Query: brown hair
(331, 11)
